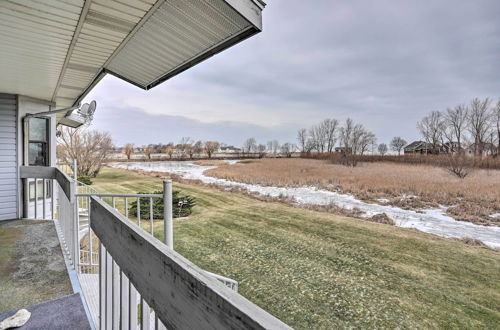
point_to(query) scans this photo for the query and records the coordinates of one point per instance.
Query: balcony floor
(32, 267)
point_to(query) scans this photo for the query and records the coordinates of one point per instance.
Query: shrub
(85, 179)
(181, 206)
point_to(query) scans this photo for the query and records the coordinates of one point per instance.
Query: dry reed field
(474, 198)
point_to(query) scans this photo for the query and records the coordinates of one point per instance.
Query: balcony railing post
(167, 214)
(73, 202)
(75, 170)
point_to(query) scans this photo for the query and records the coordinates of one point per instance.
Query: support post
(75, 225)
(167, 214)
(75, 170)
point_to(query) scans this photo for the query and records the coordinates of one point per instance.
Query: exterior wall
(27, 105)
(8, 158)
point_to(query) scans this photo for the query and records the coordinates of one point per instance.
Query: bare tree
(169, 150)
(347, 141)
(198, 147)
(287, 149)
(397, 144)
(318, 137)
(148, 151)
(382, 149)
(275, 146)
(185, 147)
(346, 134)
(456, 121)
(249, 145)
(261, 150)
(479, 123)
(366, 140)
(357, 137)
(302, 138)
(128, 150)
(431, 127)
(88, 147)
(459, 165)
(211, 147)
(330, 128)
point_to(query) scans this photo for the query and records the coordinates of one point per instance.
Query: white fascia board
(250, 10)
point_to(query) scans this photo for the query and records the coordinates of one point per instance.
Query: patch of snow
(433, 221)
(382, 200)
(495, 215)
(232, 161)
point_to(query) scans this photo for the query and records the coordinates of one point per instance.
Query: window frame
(45, 144)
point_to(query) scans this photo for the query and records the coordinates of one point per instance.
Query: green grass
(316, 270)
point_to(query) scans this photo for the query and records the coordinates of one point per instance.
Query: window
(39, 189)
(38, 142)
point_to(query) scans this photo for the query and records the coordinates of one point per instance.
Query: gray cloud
(383, 63)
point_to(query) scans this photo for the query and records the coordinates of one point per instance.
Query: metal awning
(57, 50)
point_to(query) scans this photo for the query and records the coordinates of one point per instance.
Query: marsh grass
(405, 185)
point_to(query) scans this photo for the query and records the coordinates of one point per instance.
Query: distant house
(488, 149)
(116, 150)
(229, 149)
(343, 149)
(419, 147)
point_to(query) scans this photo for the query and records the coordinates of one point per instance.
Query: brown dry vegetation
(409, 186)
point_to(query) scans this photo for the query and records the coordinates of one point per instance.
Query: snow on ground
(432, 221)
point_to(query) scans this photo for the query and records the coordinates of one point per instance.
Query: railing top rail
(47, 172)
(119, 195)
(182, 295)
(223, 278)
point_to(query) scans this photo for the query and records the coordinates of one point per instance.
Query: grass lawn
(320, 271)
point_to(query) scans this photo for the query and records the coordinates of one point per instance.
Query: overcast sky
(383, 63)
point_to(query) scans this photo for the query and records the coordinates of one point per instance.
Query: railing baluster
(36, 197)
(132, 306)
(52, 204)
(90, 234)
(124, 298)
(151, 216)
(145, 315)
(77, 238)
(167, 214)
(113, 202)
(102, 287)
(126, 207)
(139, 211)
(109, 291)
(44, 199)
(116, 296)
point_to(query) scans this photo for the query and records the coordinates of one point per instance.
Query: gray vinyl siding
(8, 157)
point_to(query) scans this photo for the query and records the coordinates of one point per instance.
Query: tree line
(271, 148)
(186, 148)
(476, 125)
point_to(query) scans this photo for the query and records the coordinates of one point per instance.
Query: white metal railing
(229, 282)
(75, 226)
(144, 283)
